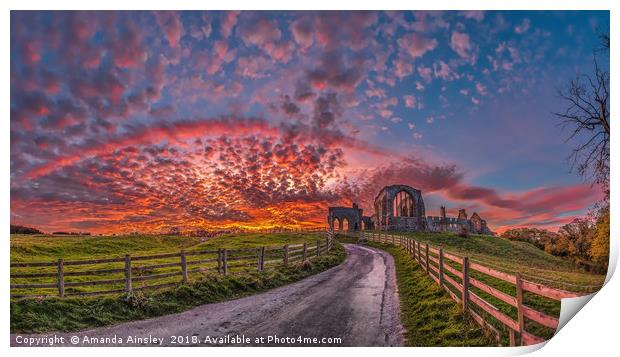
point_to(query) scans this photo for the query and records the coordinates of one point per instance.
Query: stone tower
(443, 223)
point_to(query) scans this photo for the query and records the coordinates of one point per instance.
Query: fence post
(225, 261)
(521, 320)
(61, 278)
(326, 243)
(258, 259)
(428, 269)
(262, 258)
(419, 254)
(219, 260)
(128, 287)
(511, 337)
(440, 267)
(318, 248)
(285, 259)
(305, 252)
(184, 267)
(465, 295)
(393, 239)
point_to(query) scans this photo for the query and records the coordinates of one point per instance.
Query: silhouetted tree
(587, 116)
(15, 229)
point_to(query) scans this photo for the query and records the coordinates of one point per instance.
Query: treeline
(62, 233)
(585, 241)
(15, 229)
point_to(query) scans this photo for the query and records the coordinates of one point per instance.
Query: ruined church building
(401, 208)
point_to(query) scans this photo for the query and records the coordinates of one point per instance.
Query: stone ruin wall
(453, 224)
(356, 219)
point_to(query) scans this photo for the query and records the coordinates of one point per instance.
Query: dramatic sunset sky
(140, 121)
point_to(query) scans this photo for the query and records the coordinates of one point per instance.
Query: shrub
(464, 232)
(137, 299)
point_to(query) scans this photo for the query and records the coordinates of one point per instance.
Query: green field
(71, 248)
(513, 256)
(75, 313)
(29, 248)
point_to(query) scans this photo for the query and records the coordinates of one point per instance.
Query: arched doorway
(337, 224)
(345, 224)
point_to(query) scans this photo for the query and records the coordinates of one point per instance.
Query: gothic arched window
(403, 204)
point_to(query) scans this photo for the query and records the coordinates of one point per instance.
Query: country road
(356, 302)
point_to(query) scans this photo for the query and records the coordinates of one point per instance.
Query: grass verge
(72, 314)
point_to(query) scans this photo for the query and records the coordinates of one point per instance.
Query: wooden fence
(453, 273)
(131, 273)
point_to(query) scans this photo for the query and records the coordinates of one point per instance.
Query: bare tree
(587, 116)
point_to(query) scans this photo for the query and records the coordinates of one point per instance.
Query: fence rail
(459, 287)
(124, 272)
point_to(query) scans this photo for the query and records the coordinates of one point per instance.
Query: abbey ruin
(401, 208)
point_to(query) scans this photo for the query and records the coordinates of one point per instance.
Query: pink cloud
(409, 101)
(170, 23)
(477, 15)
(228, 22)
(281, 51)
(266, 35)
(425, 73)
(461, 44)
(31, 52)
(303, 32)
(174, 132)
(127, 48)
(253, 67)
(523, 27)
(442, 70)
(416, 45)
(336, 29)
(402, 67)
(260, 32)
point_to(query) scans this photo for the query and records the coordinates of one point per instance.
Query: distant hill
(15, 229)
